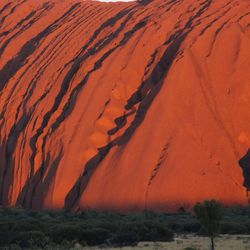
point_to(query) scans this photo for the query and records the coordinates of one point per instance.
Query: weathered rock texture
(124, 106)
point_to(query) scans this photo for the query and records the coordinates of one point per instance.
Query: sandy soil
(224, 242)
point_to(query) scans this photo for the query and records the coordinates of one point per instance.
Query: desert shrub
(191, 226)
(142, 230)
(6, 225)
(111, 225)
(95, 236)
(124, 237)
(105, 228)
(65, 232)
(5, 229)
(30, 239)
(5, 238)
(202, 232)
(153, 231)
(12, 247)
(184, 225)
(161, 233)
(27, 225)
(176, 226)
(227, 227)
(247, 225)
(32, 213)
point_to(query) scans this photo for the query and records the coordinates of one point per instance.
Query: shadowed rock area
(245, 164)
(124, 106)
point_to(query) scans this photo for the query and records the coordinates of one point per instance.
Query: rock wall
(124, 106)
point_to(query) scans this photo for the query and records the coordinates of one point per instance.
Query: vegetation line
(29, 229)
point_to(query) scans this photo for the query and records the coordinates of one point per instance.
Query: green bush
(27, 225)
(110, 225)
(30, 239)
(191, 226)
(5, 238)
(68, 233)
(227, 227)
(6, 225)
(247, 225)
(124, 237)
(153, 231)
(96, 236)
(176, 226)
(62, 229)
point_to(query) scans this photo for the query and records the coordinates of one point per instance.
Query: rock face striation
(124, 106)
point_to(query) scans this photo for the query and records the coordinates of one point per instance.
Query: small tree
(209, 213)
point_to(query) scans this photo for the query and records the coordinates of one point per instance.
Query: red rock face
(124, 106)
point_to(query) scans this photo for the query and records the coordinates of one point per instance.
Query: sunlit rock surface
(124, 106)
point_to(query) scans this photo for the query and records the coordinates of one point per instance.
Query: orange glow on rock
(123, 106)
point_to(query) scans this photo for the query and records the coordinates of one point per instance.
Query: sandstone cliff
(124, 106)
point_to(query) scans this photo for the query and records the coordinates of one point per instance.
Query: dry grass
(182, 242)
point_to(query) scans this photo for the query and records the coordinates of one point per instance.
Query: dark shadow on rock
(245, 165)
(37, 186)
(75, 193)
(7, 171)
(16, 63)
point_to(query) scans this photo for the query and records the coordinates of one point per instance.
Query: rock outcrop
(124, 106)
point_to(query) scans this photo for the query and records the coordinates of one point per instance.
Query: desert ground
(190, 242)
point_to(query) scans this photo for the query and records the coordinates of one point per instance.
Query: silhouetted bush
(30, 239)
(227, 227)
(124, 237)
(191, 226)
(96, 236)
(27, 225)
(153, 231)
(68, 233)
